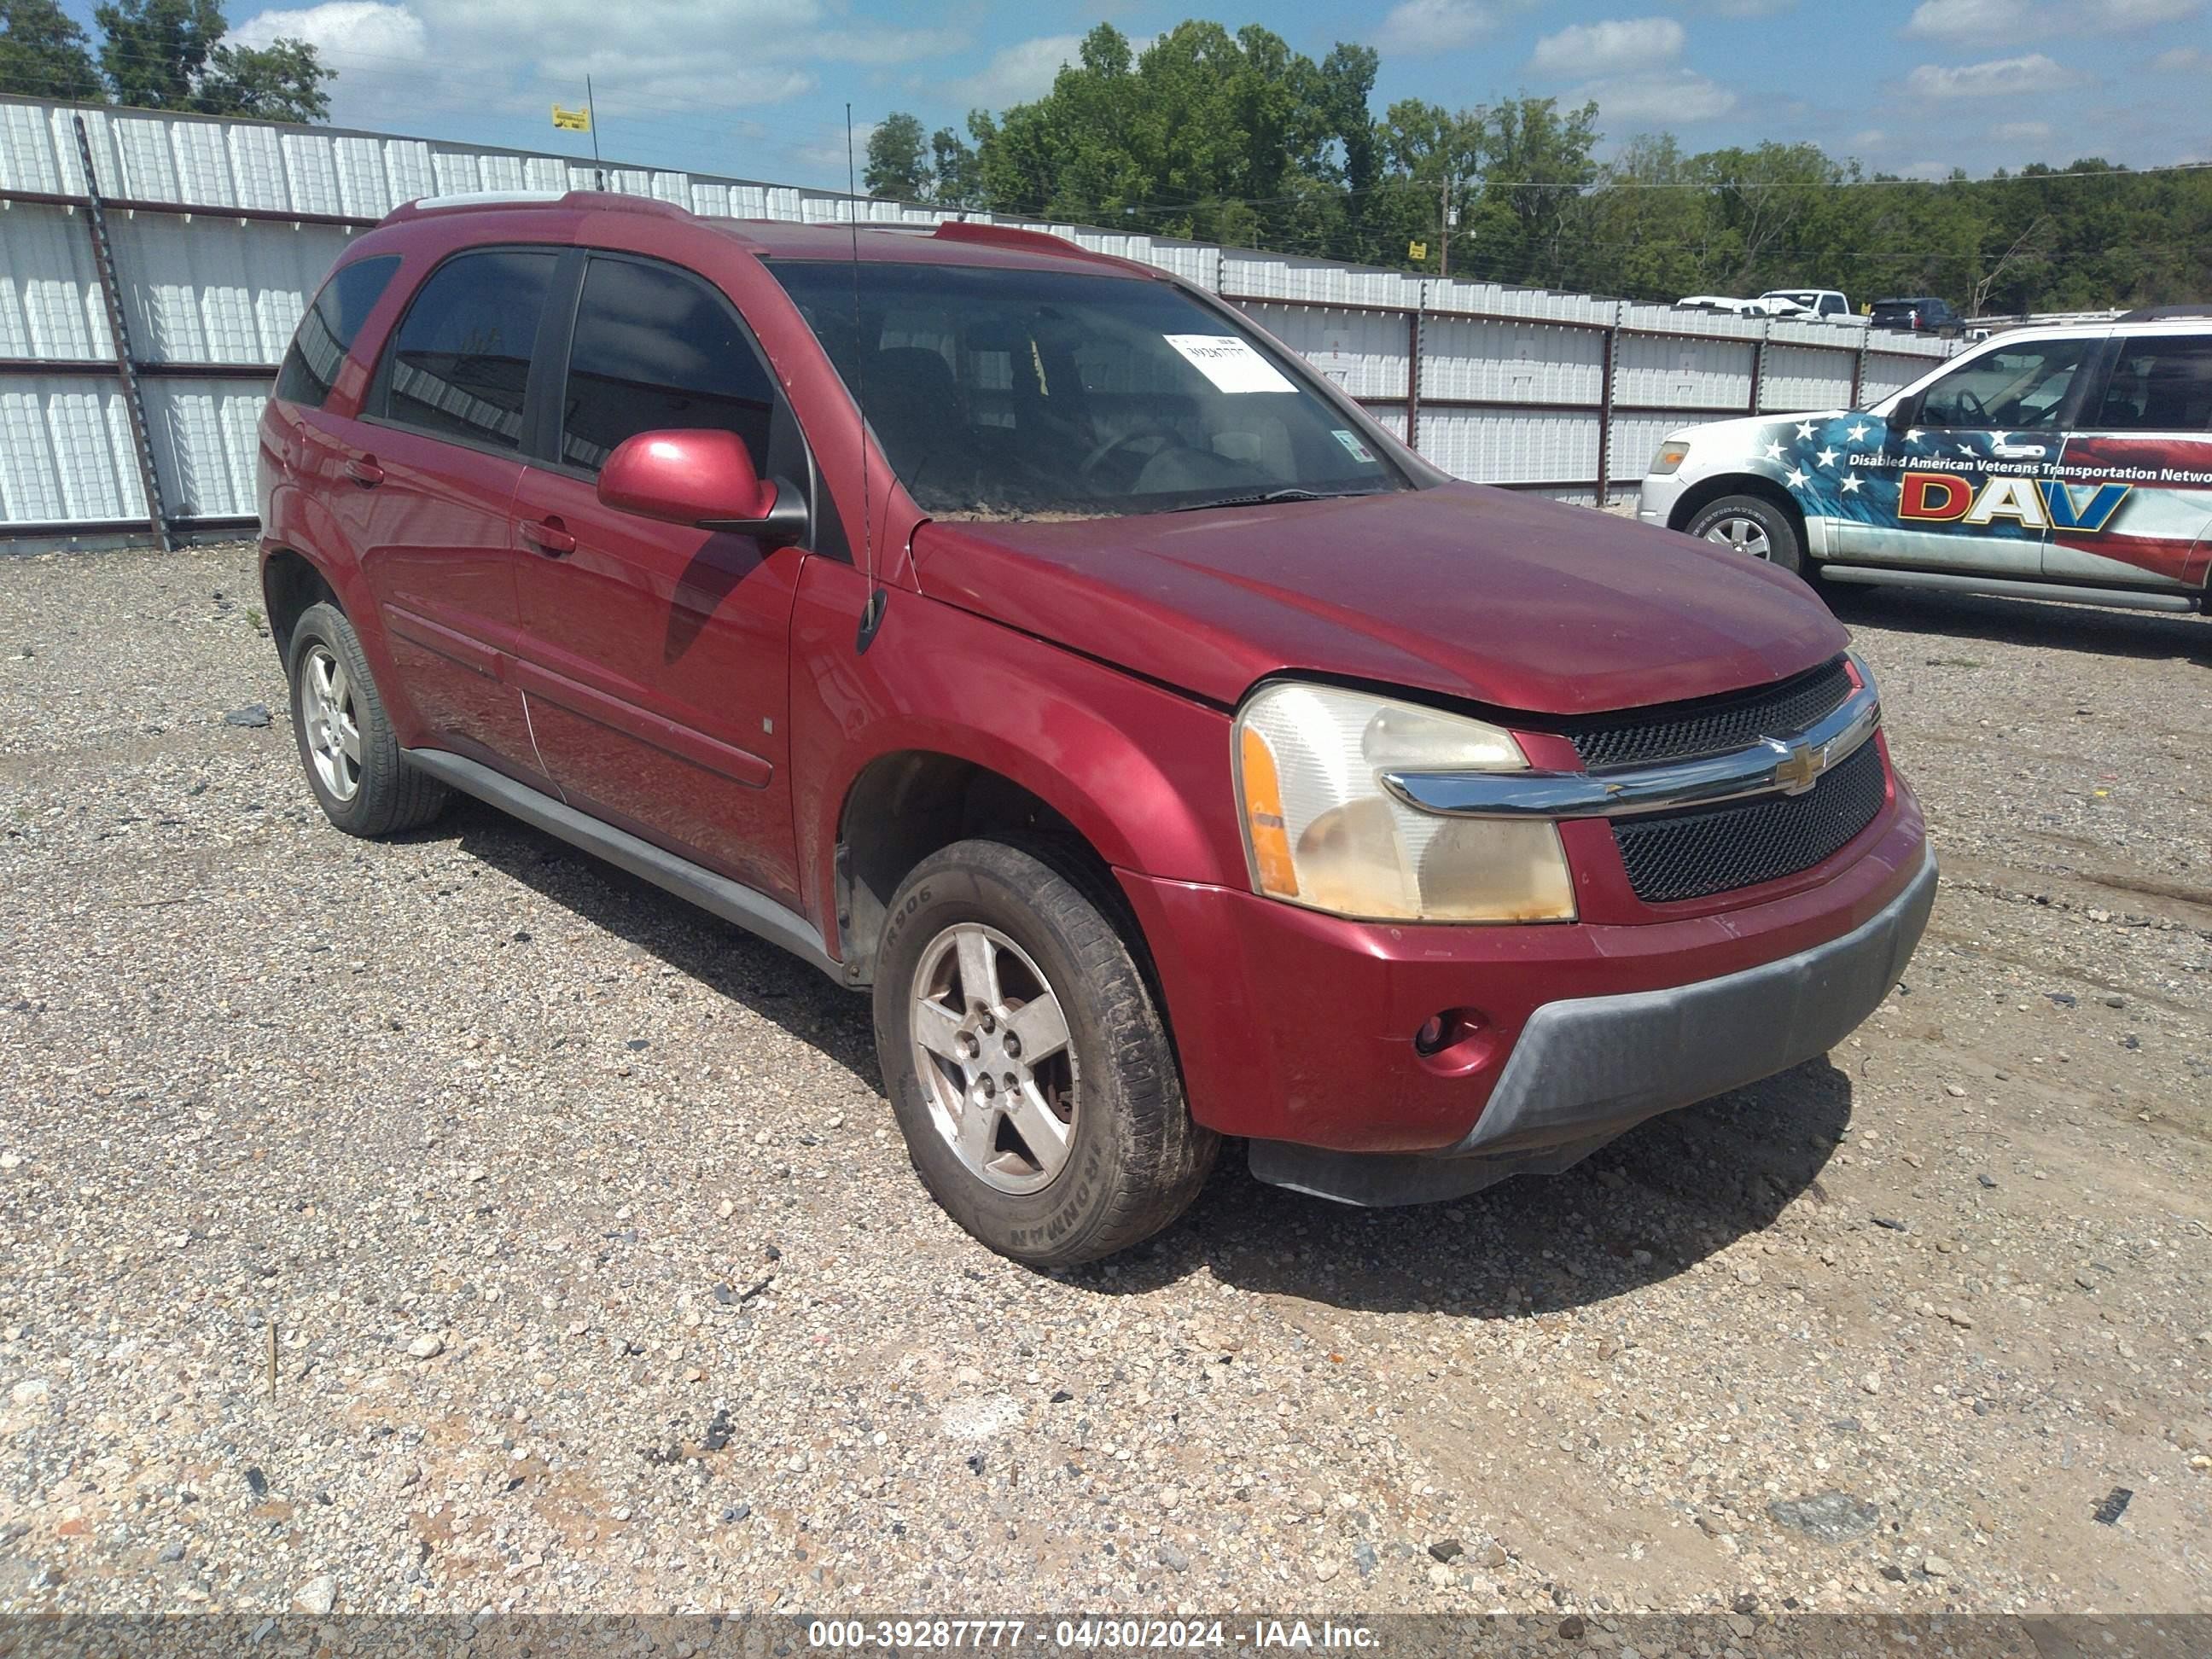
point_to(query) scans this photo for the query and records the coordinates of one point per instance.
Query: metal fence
(153, 266)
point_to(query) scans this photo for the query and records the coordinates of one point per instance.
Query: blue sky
(758, 87)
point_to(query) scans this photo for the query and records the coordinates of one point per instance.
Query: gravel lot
(598, 1279)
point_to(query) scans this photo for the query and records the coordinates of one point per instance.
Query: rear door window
(327, 332)
(2159, 383)
(656, 350)
(459, 364)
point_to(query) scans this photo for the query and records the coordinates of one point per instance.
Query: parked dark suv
(1171, 752)
(1926, 314)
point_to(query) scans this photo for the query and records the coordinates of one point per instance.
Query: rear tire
(1058, 1147)
(351, 756)
(1754, 526)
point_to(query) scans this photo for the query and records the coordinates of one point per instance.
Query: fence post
(126, 364)
(1608, 342)
(1759, 365)
(1413, 369)
(1858, 369)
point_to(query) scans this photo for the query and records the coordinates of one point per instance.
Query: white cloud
(2182, 58)
(340, 29)
(1434, 25)
(1999, 77)
(1869, 138)
(1018, 73)
(1746, 7)
(700, 61)
(2020, 132)
(1966, 19)
(1621, 43)
(1677, 98)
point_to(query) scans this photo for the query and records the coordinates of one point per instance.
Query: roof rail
(1034, 241)
(2165, 313)
(603, 201)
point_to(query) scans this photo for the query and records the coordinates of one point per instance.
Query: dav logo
(2031, 503)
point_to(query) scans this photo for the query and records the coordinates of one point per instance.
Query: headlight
(1321, 831)
(1671, 455)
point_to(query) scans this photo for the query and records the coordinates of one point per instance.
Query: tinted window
(1008, 393)
(2020, 387)
(2162, 383)
(326, 332)
(656, 350)
(461, 360)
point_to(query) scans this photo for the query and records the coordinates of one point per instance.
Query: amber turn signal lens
(1270, 840)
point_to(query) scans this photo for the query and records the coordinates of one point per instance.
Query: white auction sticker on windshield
(1229, 363)
(1358, 450)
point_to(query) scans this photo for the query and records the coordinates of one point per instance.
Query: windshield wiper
(1269, 497)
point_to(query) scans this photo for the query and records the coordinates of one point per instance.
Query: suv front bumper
(1295, 1029)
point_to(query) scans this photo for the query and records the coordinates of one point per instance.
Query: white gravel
(598, 1280)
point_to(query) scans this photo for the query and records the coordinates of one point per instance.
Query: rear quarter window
(327, 332)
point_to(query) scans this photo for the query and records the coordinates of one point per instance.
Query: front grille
(1713, 726)
(1717, 849)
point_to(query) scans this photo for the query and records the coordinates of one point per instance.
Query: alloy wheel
(992, 1049)
(1746, 535)
(333, 723)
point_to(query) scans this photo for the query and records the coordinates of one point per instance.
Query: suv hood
(1504, 600)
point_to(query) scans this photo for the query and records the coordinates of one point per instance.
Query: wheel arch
(290, 583)
(907, 804)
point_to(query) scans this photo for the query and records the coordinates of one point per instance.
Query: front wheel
(1026, 1062)
(1753, 526)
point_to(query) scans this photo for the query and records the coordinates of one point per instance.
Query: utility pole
(1443, 227)
(592, 118)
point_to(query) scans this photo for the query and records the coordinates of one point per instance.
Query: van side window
(2160, 383)
(326, 333)
(657, 350)
(460, 362)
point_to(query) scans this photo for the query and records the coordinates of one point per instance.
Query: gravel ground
(455, 1224)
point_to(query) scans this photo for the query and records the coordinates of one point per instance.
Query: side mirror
(1903, 414)
(700, 478)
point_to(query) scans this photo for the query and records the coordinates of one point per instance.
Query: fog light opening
(1456, 1041)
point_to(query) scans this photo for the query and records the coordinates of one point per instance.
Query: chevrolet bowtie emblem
(1799, 767)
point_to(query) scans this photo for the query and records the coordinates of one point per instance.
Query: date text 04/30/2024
(1091, 1635)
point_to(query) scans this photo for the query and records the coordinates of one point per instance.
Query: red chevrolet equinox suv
(1022, 635)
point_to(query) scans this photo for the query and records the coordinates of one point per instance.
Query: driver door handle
(364, 472)
(548, 536)
(2018, 452)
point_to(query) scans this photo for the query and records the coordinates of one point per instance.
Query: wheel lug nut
(989, 1024)
(1013, 1046)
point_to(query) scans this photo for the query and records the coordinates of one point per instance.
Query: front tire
(363, 783)
(1026, 1061)
(1753, 526)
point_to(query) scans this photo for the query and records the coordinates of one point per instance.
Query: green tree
(43, 52)
(170, 54)
(898, 169)
(955, 179)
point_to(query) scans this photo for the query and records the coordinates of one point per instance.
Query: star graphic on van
(1805, 431)
(1851, 483)
(1796, 479)
(1826, 457)
(1858, 432)
(1913, 436)
(1774, 452)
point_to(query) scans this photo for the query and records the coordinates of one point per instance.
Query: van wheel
(361, 781)
(1026, 1061)
(1753, 526)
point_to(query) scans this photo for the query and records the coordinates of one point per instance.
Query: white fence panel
(204, 438)
(50, 303)
(65, 451)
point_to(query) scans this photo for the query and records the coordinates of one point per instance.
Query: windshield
(1007, 394)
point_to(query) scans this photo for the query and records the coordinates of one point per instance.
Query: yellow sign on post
(1417, 250)
(572, 120)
